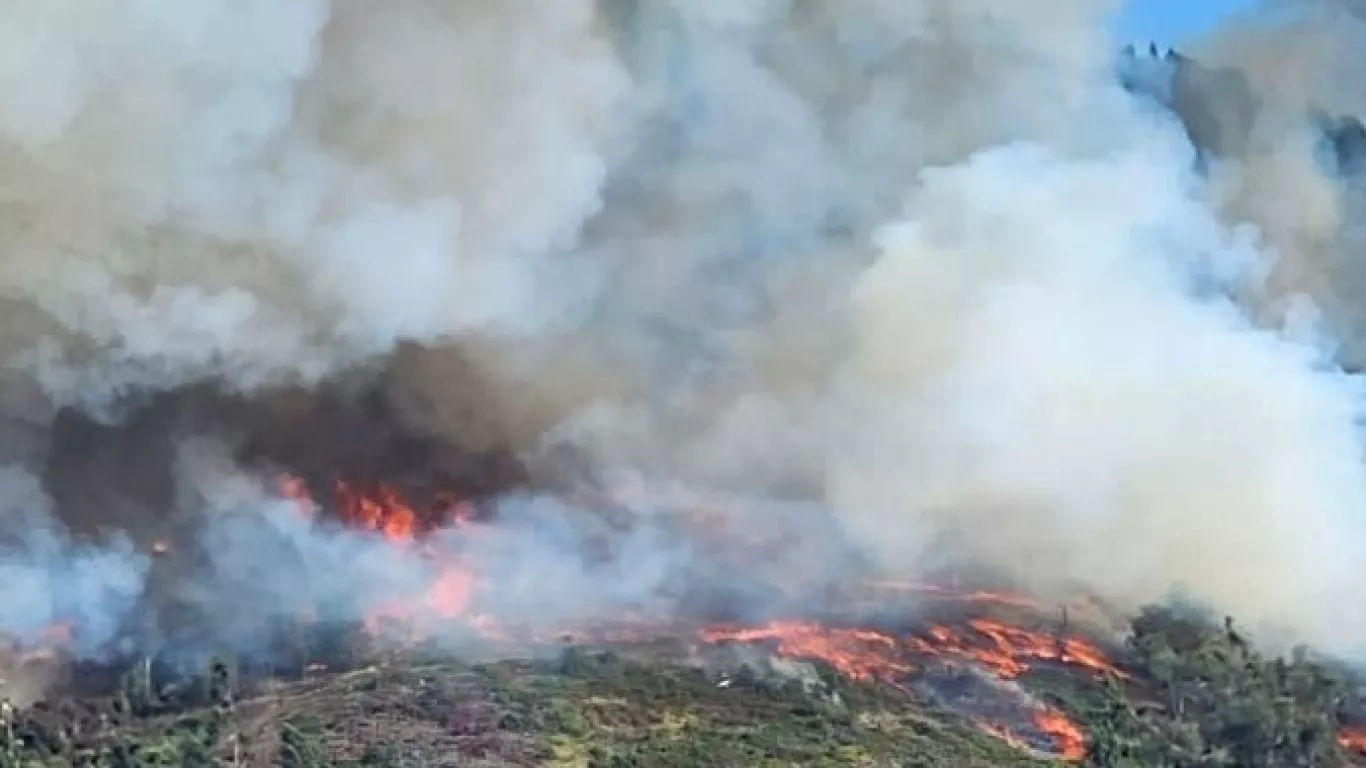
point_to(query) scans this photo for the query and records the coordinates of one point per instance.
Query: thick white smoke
(925, 261)
(1054, 376)
(262, 193)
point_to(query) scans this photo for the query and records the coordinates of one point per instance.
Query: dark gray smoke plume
(956, 270)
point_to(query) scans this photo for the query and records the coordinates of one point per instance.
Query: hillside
(1179, 693)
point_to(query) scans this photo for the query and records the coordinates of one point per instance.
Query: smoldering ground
(924, 263)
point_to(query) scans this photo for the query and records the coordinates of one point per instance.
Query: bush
(1217, 702)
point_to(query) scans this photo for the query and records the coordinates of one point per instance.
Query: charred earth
(994, 684)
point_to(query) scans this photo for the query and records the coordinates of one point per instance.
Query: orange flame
(1012, 648)
(1065, 733)
(860, 654)
(1016, 642)
(866, 655)
(385, 512)
(947, 643)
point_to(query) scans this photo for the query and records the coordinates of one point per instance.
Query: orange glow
(947, 644)
(385, 512)
(388, 514)
(1353, 738)
(1065, 733)
(450, 595)
(860, 654)
(1016, 642)
(1012, 648)
(296, 490)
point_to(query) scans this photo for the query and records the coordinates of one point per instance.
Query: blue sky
(1168, 22)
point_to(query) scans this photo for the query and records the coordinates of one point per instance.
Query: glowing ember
(860, 654)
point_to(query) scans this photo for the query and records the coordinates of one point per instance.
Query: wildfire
(452, 596)
(1011, 649)
(857, 653)
(1006, 651)
(871, 655)
(1065, 733)
(1017, 642)
(1067, 736)
(386, 513)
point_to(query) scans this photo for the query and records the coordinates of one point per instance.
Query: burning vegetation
(1041, 682)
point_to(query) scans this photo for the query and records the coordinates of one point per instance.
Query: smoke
(56, 582)
(926, 264)
(262, 195)
(1057, 378)
(1296, 57)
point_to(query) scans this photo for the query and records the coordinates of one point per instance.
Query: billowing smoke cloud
(926, 263)
(1056, 377)
(260, 194)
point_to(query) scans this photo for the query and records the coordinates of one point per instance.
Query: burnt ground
(662, 702)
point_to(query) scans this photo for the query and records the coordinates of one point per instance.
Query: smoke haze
(925, 263)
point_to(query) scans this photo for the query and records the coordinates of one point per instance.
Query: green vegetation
(1217, 702)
